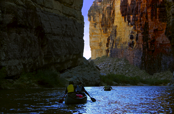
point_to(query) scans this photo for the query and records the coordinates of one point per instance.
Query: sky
(86, 5)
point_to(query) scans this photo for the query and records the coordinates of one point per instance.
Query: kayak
(74, 99)
(107, 88)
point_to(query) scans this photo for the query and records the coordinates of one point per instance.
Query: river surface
(121, 99)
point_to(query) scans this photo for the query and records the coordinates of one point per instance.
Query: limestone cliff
(139, 30)
(38, 34)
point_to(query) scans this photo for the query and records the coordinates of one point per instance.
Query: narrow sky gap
(86, 5)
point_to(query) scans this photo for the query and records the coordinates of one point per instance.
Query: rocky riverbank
(86, 72)
(121, 67)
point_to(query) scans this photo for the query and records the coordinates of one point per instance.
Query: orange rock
(137, 30)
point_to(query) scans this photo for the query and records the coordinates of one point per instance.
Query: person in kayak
(107, 87)
(70, 89)
(80, 89)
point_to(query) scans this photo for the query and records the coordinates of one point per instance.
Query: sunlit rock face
(38, 34)
(101, 17)
(139, 30)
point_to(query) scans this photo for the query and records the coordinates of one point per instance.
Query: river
(121, 99)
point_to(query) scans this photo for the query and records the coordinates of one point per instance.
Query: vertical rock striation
(139, 30)
(101, 17)
(38, 34)
(170, 22)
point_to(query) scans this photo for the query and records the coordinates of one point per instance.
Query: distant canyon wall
(37, 34)
(142, 31)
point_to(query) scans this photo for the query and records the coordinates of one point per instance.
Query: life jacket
(70, 88)
(79, 89)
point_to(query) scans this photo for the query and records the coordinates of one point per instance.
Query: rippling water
(122, 99)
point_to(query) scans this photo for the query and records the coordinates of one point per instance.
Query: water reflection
(122, 99)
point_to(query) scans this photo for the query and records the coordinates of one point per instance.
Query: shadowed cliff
(37, 34)
(41, 35)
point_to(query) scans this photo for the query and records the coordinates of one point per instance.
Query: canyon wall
(40, 34)
(141, 31)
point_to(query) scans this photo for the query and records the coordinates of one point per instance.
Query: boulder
(86, 72)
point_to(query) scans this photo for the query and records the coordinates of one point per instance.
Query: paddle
(61, 101)
(93, 99)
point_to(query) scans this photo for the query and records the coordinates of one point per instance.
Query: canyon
(48, 35)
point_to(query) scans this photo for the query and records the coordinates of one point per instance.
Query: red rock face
(152, 22)
(149, 18)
